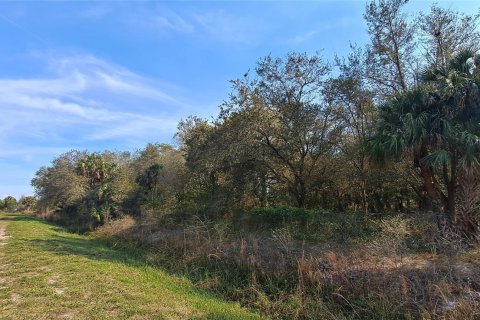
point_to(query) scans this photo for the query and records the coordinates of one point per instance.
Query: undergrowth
(366, 273)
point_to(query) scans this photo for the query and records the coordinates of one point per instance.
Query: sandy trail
(3, 241)
(3, 236)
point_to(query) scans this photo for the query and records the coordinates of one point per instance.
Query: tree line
(392, 126)
(24, 203)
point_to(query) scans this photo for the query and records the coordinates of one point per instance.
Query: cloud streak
(83, 103)
(226, 27)
(216, 25)
(73, 94)
(341, 24)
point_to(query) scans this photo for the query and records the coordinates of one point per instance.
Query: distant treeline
(25, 203)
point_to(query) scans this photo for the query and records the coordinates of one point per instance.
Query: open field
(47, 273)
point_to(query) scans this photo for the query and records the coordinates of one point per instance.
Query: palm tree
(437, 124)
(95, 168)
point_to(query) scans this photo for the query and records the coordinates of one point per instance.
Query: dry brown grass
(287, 279)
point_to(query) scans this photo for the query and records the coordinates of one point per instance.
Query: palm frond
(429, 74)
(414, 126)
(459, 62)
(437, 158)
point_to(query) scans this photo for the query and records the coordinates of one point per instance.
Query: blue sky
(117, 75)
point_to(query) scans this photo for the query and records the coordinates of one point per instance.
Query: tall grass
(389, 269)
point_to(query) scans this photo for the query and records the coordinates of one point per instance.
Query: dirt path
(3, 236)
(3, 241)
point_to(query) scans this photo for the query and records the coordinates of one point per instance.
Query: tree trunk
(450, 201)
(469, 199)
(300, 193)
(263, 191)
(450, 181)
(430, 193)
(364, 195)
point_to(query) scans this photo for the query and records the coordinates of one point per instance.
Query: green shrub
(392, 235)
(277, 217)
(310, 225)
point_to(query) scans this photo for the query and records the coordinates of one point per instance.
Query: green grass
(48, 273)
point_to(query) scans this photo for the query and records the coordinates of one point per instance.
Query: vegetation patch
(344, 189)
(48, 273)
(389, 274)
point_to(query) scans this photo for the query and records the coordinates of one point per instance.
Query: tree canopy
(392, 126)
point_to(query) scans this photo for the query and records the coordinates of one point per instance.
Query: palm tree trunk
(469, 199)
(431, 192)
(450, 180)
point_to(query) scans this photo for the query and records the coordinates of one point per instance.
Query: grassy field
(48, 273)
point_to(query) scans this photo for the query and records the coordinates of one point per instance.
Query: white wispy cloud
(216, 25)
(101, 74)
(97, 11)
(82, 103)
(338, 24)
(76, 100)
(172, 22)
(28, 154)
(159, 19)
(74, 82)
(227, 27)
(138, 126)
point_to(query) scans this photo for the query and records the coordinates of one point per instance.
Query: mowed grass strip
(48, 273)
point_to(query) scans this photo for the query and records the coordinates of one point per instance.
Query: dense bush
(381, 277)
(277, 217)
(311, 225)
(9, 204)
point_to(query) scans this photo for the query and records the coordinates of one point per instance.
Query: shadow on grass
(362, 302)
(7, 216)
(62, 242)
(91, 248)
(131, 255)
